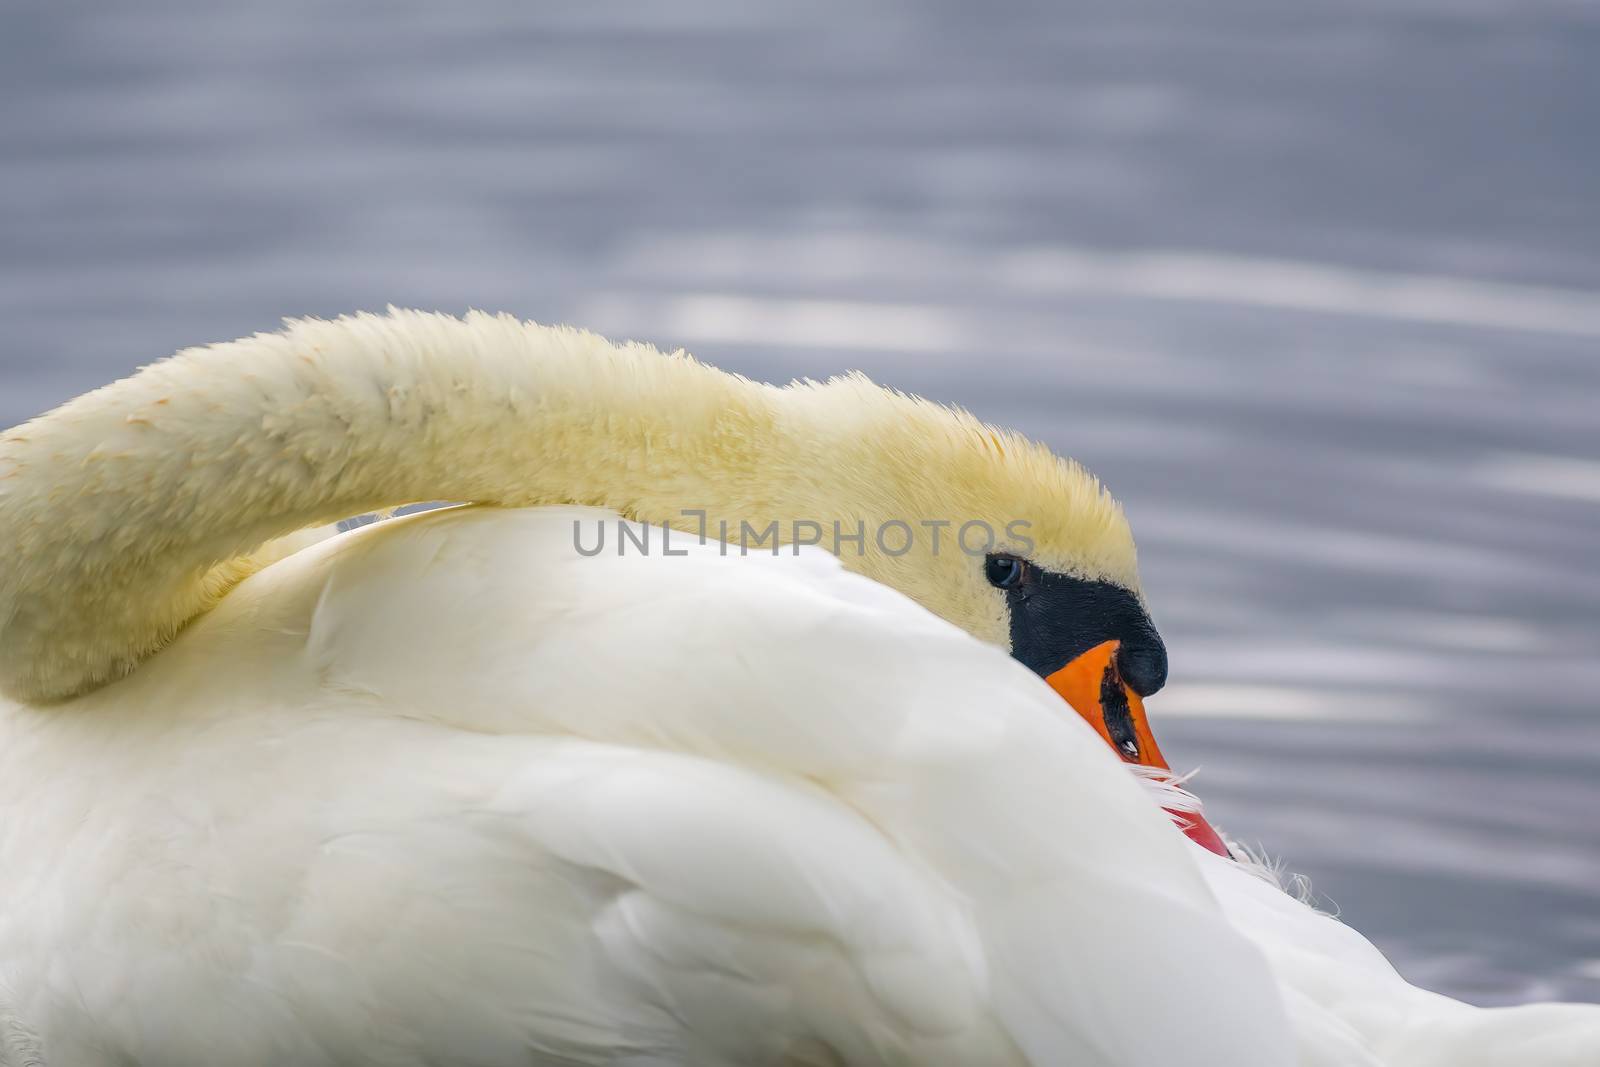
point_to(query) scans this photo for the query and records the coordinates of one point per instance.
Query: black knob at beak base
(1143, 664)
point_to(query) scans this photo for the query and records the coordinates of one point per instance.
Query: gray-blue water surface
(1315, 290)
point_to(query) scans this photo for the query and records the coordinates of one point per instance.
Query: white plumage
(444, 790)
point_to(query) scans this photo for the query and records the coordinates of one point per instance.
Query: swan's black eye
(1003, 571)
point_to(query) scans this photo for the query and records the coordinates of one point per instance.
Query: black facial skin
(1057, 617)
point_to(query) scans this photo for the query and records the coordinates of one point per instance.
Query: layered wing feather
(446, 791)
(1350, 1008)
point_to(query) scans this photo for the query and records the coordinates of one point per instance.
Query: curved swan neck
(132, 509)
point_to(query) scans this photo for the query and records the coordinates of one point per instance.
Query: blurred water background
(1313, 287)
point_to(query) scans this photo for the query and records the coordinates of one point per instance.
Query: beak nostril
(1117, 714)
(1093, 683)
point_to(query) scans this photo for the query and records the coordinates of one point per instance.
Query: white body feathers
(445, 791)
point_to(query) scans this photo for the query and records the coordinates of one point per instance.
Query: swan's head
(996, 533)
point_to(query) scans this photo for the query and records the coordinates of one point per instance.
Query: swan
(478, 786)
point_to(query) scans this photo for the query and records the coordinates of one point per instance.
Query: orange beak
(1093, 685)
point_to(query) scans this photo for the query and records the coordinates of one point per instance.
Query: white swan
(446, 790)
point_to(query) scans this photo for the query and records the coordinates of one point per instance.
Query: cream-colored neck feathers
(128, 511)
